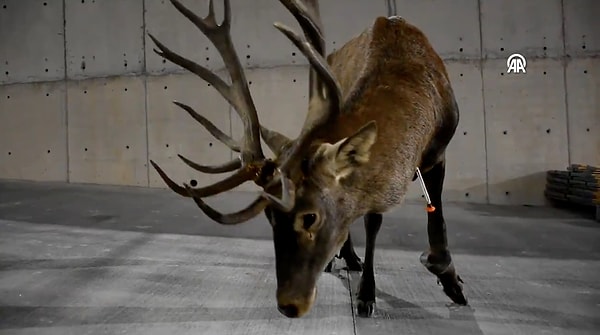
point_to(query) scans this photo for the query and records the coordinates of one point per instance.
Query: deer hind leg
(353, 262)
(438, 259)
(366, 290)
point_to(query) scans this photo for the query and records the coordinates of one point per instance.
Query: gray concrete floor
(77, 259)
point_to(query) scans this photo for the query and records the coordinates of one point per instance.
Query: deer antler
(324, 91)
(252, 164)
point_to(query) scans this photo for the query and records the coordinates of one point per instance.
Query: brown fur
(391, 74)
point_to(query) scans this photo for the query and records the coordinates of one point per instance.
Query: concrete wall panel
(453, 33)
(582, 27)
(33, 143)
(341, 22)
(281, 98)
(583, 94)
(107, 131)
(31, 36)
(526, 129)
(258, 42)
(178, 33)
(172, 131)
(104, 37)
(466, 176)
(521, 26)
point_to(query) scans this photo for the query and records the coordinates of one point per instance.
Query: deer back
(390, 73)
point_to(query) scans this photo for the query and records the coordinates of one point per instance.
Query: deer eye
(309, 220)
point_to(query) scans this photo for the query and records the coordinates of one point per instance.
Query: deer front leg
(438, 259)
(347, 252)
(366, 290)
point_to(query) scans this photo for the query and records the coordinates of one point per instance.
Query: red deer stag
(379, 108)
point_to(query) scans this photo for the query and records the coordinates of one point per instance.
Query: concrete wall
(84, 99)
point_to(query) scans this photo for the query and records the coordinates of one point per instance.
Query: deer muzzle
(295, 304)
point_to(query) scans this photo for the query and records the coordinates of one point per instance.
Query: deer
(381, 108)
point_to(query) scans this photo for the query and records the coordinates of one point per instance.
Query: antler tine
(325, 92)
(195, 68)
(286, 203)
(216, 132)
(225, 167)
(252, 210)
(233, 181)
(319, 64)
(239, 177)
(239, 92)
(288, 194)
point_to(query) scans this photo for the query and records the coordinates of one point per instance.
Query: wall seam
(66, 82)
(564, 65)
(485, 136)
(145, 77)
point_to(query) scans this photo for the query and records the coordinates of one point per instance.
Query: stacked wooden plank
(578, 185)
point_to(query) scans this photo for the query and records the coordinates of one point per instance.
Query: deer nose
(291, 311)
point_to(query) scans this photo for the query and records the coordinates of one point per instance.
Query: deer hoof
(444, 270)
(329, 266)
(453, 287)
(365, 308)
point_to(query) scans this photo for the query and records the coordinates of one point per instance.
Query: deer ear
(344, 156)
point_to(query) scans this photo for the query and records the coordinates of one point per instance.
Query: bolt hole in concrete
(6, 73)
(165, 87)
(47, 94)
(545, 48)
(507, 193)
(461, 49)
(126, 147)
(544, 73)
(247, 56)
(9, 153)
(501, 49)
(587, 129)
(193, 182)
(547, 131)
(210, 144)
(207, 59)
(461, 74)
(167, 145)
(8, 97)
(46, 70)
(585, 71)
(583, 46)
(48, 151)
(465, 133)
(467, 194)
(84, 149)
(501, 73)
(164, 61)
(125, 89)
(294, 54)
(505, 132)
(4, 6)
(294, 80)
(85, 92)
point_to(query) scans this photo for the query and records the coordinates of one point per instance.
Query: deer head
(306, 190)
